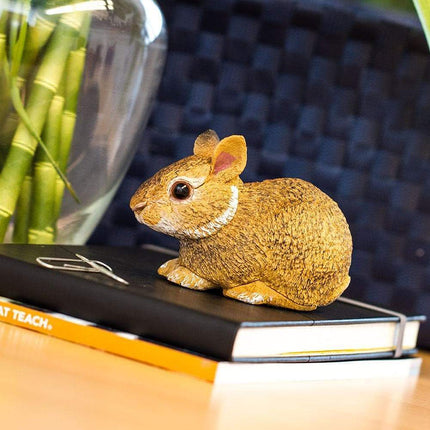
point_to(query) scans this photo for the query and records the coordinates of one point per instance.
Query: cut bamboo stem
(7, 131)
(22, 215)
(42, 215)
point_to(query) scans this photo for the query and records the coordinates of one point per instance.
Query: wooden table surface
(46, 383)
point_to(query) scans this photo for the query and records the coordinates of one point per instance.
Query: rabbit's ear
(229, 157)
(205, 144)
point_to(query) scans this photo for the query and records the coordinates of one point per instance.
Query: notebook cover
(151, 307)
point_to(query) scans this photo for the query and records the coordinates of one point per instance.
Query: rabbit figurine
(280, 242)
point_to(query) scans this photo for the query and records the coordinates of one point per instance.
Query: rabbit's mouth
(146, 212)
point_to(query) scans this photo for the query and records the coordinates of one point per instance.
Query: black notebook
(205, 322)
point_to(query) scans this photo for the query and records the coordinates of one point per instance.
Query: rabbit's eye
(181, 190)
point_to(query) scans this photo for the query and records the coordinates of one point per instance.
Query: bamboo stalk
(3, 21)
(42, 216)
(4, 97)
(83, 35)
(74, 72)
(73, 77)
(7, 131)
(38, 36)
(22, 216)
(42, 91)
(17, 36)
(3, 82)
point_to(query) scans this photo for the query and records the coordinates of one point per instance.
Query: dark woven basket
(336, 94)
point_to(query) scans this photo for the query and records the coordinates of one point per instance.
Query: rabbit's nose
(138, 206)
(138, 209)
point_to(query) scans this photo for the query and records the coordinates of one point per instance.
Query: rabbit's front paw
(180, 275)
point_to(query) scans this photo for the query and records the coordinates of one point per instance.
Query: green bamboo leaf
(19, 107)
(17, 43)
(423, 10)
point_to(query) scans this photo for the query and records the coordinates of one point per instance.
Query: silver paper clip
(68, 264)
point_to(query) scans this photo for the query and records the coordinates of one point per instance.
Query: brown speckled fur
(288, 244)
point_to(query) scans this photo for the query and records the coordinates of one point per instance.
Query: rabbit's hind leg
(259, 293)
(180, 275)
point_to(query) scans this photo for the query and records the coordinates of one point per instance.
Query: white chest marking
(220, 221)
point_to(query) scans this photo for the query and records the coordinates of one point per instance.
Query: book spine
(122, 344)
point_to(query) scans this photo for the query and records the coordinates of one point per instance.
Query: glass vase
(77, 82)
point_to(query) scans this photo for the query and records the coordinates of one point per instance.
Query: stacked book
(200, 333)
